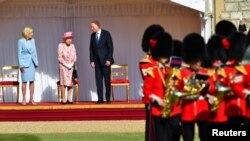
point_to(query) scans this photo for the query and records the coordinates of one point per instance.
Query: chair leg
(76, 93)
(127, 93)
(17, 95)
(3, 93)
(112, 92)
(59, 93)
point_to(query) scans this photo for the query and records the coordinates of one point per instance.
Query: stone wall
(234, 9)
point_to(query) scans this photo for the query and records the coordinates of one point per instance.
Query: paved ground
(72, 126)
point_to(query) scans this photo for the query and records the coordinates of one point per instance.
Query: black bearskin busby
(193, 48)
(225, 28)
(177, 46)
(215, 49)
(236, 46)
(248, 38)
(161, 45)
(149, 32)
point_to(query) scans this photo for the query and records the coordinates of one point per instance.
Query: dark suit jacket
(103, 51)
(242, 28)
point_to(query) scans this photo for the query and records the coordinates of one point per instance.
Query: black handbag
(74, 75)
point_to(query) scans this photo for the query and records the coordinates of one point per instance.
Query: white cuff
(155, 98)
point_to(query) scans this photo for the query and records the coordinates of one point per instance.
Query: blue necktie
(96, 38)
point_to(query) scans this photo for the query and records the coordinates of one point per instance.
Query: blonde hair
(27, 30)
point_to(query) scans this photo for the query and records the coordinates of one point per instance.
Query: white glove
(69, 66)
(157, 99)
(211, 98)
(177, 93)
(247, 92)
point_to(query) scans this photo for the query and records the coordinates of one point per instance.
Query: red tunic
(234, 78)
(193, 109)
(154, 84)
(247, 82)
(144, 65)
(220, 115)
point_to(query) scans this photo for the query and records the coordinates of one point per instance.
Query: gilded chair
(10, 78)
(76, 90)
(75, 85)
(119, 77)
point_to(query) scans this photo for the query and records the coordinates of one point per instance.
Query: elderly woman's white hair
(27, 30)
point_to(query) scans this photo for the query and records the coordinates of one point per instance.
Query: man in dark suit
(101, 58)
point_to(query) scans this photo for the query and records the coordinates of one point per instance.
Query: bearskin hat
(149, 32)
(177, 45)
(193, 48)
(248, 38)
(215, 49)
(236, 46)
(161, 45)
(225, 28)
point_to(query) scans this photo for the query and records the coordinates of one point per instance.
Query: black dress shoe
(64, 102)
(108, 101)
(70, 102)
(99, 102)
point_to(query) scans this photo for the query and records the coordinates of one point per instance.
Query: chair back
(119, 71)
(10, 73)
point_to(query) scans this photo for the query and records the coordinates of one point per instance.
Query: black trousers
(189, 130)
(248, 121)
(103, 73)
(236, 120)
(177, 129)
(164, 129)
(148, 131)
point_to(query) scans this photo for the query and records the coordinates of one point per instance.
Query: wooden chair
(119, 77)
(76, 90)
(10, 78)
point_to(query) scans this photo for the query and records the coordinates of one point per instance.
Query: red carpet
(133, 110)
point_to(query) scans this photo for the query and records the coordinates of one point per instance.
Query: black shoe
(64, 102)
(70, 102)
(108, 102)
(99, 102)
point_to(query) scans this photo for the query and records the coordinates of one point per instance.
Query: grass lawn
(74, 131)
(98, 136)
(74, 137)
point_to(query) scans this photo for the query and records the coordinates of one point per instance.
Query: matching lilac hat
(68, 35)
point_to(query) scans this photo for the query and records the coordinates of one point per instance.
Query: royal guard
(195, 107)
(146, 63)
(247, 81)
(234, 77)
(154, 88)
(216, 93)
(176, 63)
(247, 66)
